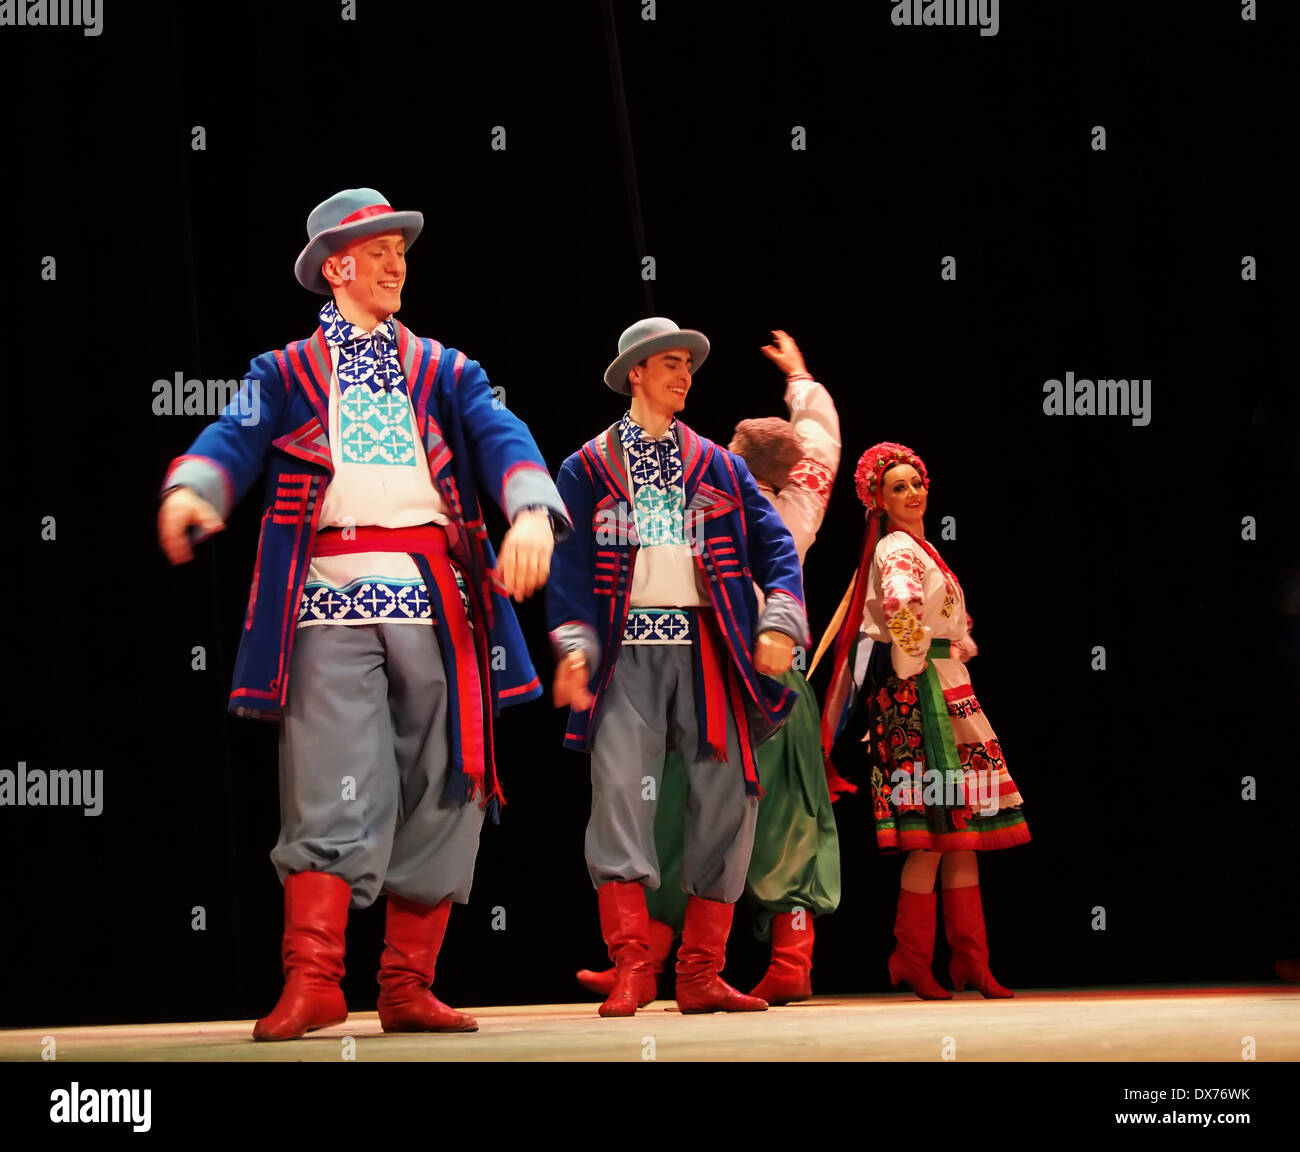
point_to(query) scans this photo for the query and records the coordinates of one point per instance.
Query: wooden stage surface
(1112, 1024)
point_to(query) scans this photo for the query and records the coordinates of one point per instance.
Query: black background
(921, 143)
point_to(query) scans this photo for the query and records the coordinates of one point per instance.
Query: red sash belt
(464, 649)
(429, 538)
(720, 681)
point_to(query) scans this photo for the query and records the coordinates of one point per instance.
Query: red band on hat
(365, 213)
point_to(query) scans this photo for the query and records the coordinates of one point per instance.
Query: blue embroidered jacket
(739, 539)
(469, 440)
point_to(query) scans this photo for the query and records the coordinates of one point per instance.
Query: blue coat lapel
(309, 364)
(420, 359)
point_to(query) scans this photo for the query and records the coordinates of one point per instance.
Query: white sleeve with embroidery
(801, 504)
(902, 595)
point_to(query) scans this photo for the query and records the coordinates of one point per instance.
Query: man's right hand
(571, 676)
(181, 510)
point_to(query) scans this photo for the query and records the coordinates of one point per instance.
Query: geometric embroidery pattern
(371, 599)
(375, 420)
(658, 496)
(659, 516)
(657, 626)
(376, 429)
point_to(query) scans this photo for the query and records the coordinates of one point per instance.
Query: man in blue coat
(652, 607)
(378, 629)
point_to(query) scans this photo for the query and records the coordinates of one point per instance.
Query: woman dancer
(940, 788)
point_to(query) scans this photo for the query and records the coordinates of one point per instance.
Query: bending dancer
(373, 609)
(794, 873)
(652, 609)
(940, 787)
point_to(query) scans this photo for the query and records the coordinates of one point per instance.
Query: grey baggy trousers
(363, 765)
(650, 699)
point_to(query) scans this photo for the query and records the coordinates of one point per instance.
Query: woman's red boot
(963, 920)
(914, 931)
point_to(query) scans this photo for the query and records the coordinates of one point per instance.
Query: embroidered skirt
(927, 793)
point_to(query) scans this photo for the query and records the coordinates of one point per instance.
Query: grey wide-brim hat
(645, 338)
(346, 216)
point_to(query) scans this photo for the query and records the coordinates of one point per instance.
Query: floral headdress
(875, 462)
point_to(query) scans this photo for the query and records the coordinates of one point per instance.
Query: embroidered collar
(629, 432)
(368, 358)
(339, 331)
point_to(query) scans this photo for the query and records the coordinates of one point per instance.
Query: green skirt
(796, 860)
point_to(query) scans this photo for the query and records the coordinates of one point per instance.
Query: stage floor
(1145, 1024)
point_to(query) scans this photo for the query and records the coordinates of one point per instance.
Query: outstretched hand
(181, 510)
(785, 355)
(525, 560)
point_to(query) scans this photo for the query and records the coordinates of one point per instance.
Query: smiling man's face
(367, 278)
(664, 380)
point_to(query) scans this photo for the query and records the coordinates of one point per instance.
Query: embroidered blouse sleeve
(802, 502)
(902, 584)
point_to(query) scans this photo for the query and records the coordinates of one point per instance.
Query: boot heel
(963, 921)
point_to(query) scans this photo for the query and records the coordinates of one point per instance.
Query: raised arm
(802, 502)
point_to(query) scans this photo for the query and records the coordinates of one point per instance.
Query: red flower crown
(878, 460)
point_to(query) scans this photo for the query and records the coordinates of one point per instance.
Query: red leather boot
(700, 958)
(789, 975)
(625, 925)
(315, 927)
(963, 920)
(914, 931)
(660, 944)
(412, 939)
